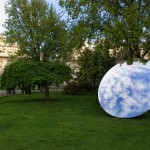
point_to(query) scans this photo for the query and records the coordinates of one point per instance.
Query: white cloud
(140, 85)
(2, 14)
(126, 90)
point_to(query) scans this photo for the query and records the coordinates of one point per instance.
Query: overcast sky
(3, 15)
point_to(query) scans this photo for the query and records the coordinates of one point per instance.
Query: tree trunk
(41, 88)
(46, 91)
(27, 89)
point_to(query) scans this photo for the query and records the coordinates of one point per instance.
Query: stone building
(6, 51)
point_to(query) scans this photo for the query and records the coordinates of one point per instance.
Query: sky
(124, 91)
(3, 15)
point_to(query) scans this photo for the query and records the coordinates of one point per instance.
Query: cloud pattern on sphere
(124, 91)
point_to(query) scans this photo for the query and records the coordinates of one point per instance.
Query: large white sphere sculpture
(124, 91)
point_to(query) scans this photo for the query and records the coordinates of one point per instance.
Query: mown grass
(67, 123)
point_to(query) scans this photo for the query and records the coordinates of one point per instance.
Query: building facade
(6, 51)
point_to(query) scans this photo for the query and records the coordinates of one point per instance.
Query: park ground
(67, 122)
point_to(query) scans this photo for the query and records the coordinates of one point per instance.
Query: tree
(18, 74)
(93, 65)
(125, 24)
(38, 30)
(27, 73)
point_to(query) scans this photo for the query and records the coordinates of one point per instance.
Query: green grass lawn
(67, 123)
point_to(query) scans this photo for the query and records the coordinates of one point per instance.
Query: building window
(0, 64)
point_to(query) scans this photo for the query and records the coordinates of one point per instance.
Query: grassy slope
(67, 123)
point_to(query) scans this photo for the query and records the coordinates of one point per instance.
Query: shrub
(72, 88)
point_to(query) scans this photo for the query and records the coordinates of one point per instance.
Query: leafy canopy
(42, 37)
(38, 30)
(124, 24)
(28, 73)
(93, 65)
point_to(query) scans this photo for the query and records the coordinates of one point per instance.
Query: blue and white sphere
(124, 91)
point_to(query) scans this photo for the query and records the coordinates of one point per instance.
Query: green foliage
(93, 65)
(42, 36)
(28, 73)
(59, 73)
(124, 24)
(13, 74)
(73, 88)
(38, 30)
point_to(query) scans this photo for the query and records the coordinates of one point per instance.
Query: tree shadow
(146, 115)
(40, 100)
(30, 100)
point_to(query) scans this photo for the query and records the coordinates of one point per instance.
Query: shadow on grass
(103, 113)
(51, 100)
(99, 111)
(90, 105)
(146, 115)
(28, 99)
(40, 100)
